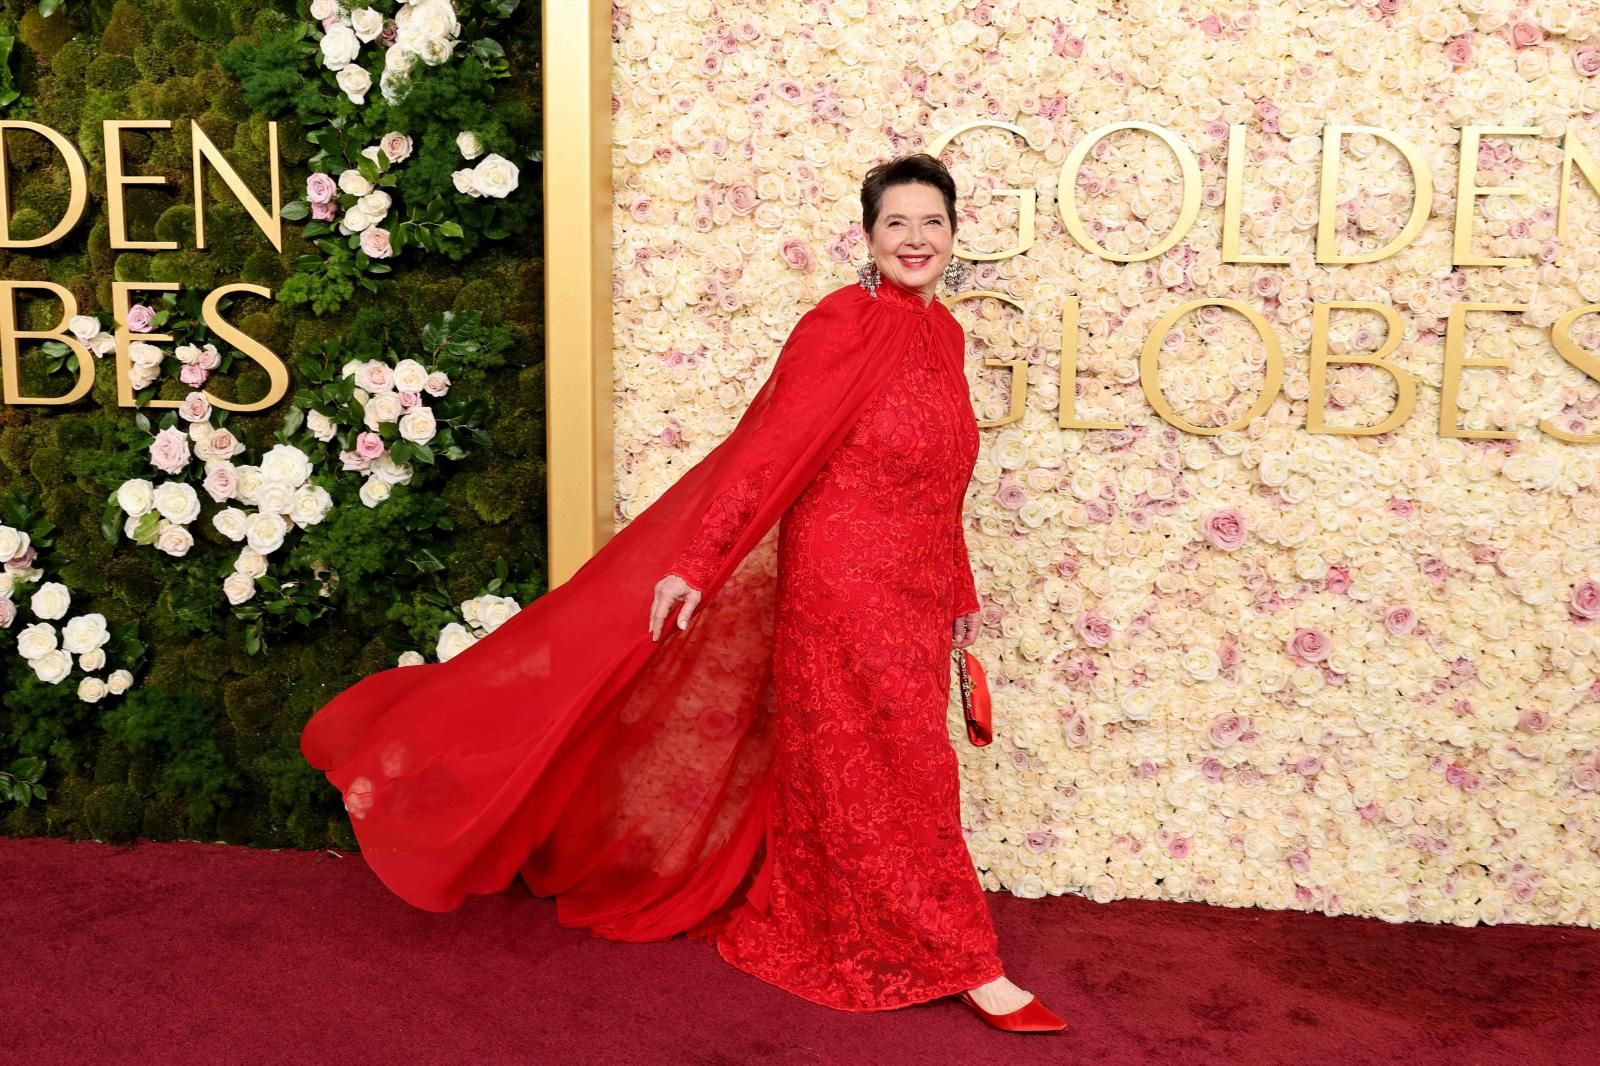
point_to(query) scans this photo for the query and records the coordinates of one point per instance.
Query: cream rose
(50, 601)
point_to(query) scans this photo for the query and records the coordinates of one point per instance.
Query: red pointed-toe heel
(1031, 1017)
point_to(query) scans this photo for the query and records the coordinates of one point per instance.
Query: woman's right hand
(669, 590)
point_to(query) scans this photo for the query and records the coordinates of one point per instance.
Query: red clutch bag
(974, 696)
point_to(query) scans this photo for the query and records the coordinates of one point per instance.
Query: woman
(777, 777)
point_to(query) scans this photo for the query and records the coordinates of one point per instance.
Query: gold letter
(266, 221)
(1150, 367)
(1468, 190)
(277, 373)
(1067, 191)
(1019, 367)
(1405, 382)
(1572, 150)
(1027, 199)
(77, 177)
(125, 336)
(116, 178)
(1579, 358)
(1067, 404)
(1455, 359)
(1328, 208)
(1233, 203)
(9, 336)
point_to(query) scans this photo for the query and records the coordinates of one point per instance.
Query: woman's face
(911, 239)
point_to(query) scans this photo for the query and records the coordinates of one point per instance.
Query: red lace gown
(872, 898)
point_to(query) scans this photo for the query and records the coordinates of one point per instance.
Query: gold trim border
(577, 288)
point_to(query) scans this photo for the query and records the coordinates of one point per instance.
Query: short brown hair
(918, 168)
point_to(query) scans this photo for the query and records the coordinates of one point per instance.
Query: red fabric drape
(626, 777)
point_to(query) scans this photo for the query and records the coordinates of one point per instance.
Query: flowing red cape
(628, 778)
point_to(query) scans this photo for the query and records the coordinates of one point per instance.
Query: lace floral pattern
(871, 898)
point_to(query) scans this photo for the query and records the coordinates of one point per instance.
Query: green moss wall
(206, 744)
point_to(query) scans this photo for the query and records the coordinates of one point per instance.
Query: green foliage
(206, 742)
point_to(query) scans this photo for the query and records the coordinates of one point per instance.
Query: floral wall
(181, 586)
(1346, 673)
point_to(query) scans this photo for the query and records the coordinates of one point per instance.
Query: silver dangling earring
(869, 277)
(955, 274)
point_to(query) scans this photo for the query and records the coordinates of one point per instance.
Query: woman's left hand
(964, 629)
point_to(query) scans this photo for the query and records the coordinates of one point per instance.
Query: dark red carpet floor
(176, 954)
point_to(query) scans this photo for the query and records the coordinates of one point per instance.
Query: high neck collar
(902, 297)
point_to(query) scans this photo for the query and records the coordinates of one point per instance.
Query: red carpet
(172, 954)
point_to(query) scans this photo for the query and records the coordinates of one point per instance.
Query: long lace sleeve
(965, 596)
(724, 520)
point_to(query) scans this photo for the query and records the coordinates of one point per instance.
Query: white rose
(84, 327)
(92, 690)
(426, 20)
(36, 640)
(418, 425)
(311, 505)
(367, 24)
(354, 81)
(230, 522)
(471, 147)
(85, 633)
(91, 661)
(340, 46)
(53, 666)
(381, 408)
(374, 491)
(355, 220)
(144, 354)
(264, 533)
(385, 469)
(275, 497)
(119, 682)
(324, 9)
(251, 563)
(465, 182)
(410, 375)
(176, 501)
(286, 463)
(50, 600)
(495, 175)
(249, 482)
(352, 183)
(453, 640)
(375, 204)
(321, 426)
(173, 539)
(411, 658)
(135, 497)
(1202, 663)
(238, 587)
(13, 542)
(495, 611)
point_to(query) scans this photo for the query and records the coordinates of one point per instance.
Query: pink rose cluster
(1224, 529)
(359, 203)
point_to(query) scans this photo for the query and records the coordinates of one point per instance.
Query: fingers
(691, 600)
(658, 613)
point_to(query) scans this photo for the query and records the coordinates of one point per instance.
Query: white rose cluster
(343, 34)
(1354, 674)
(50, 651)
(394, 394)
(495, 176)
(426, 32)
(482, 615)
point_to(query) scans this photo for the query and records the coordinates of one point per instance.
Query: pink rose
(324, 212)
(321, 188)
(1402, 507)
(1586, 57)
(141, 319)
(196, 408)
(222, 481)
(1586, 598)
(1459, 50)
(1299, 862)
(1338, 580)
(1225, 529)
(1525, 34)
(1094, 630)
(1211, 26)
(1178, 847)
(1212, 768)
(8, 612)
(169, 452)
(1585, 777)
(352, 461)
(408, 400)
(1399, 621)
(193, 374)
(209, 359)
(396, 145)
(375, 242)
(18, 563)
(1310, 644)
(369, 445)
(1388, 7)
(797, 254)
(1226, 729)
(1040, 840)
(1011, 495)
(375, 376)
(1534, 721)
(438, 383)
(742, 198)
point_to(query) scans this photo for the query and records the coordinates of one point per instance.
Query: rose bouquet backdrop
(181, 587)
(1265, 667)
